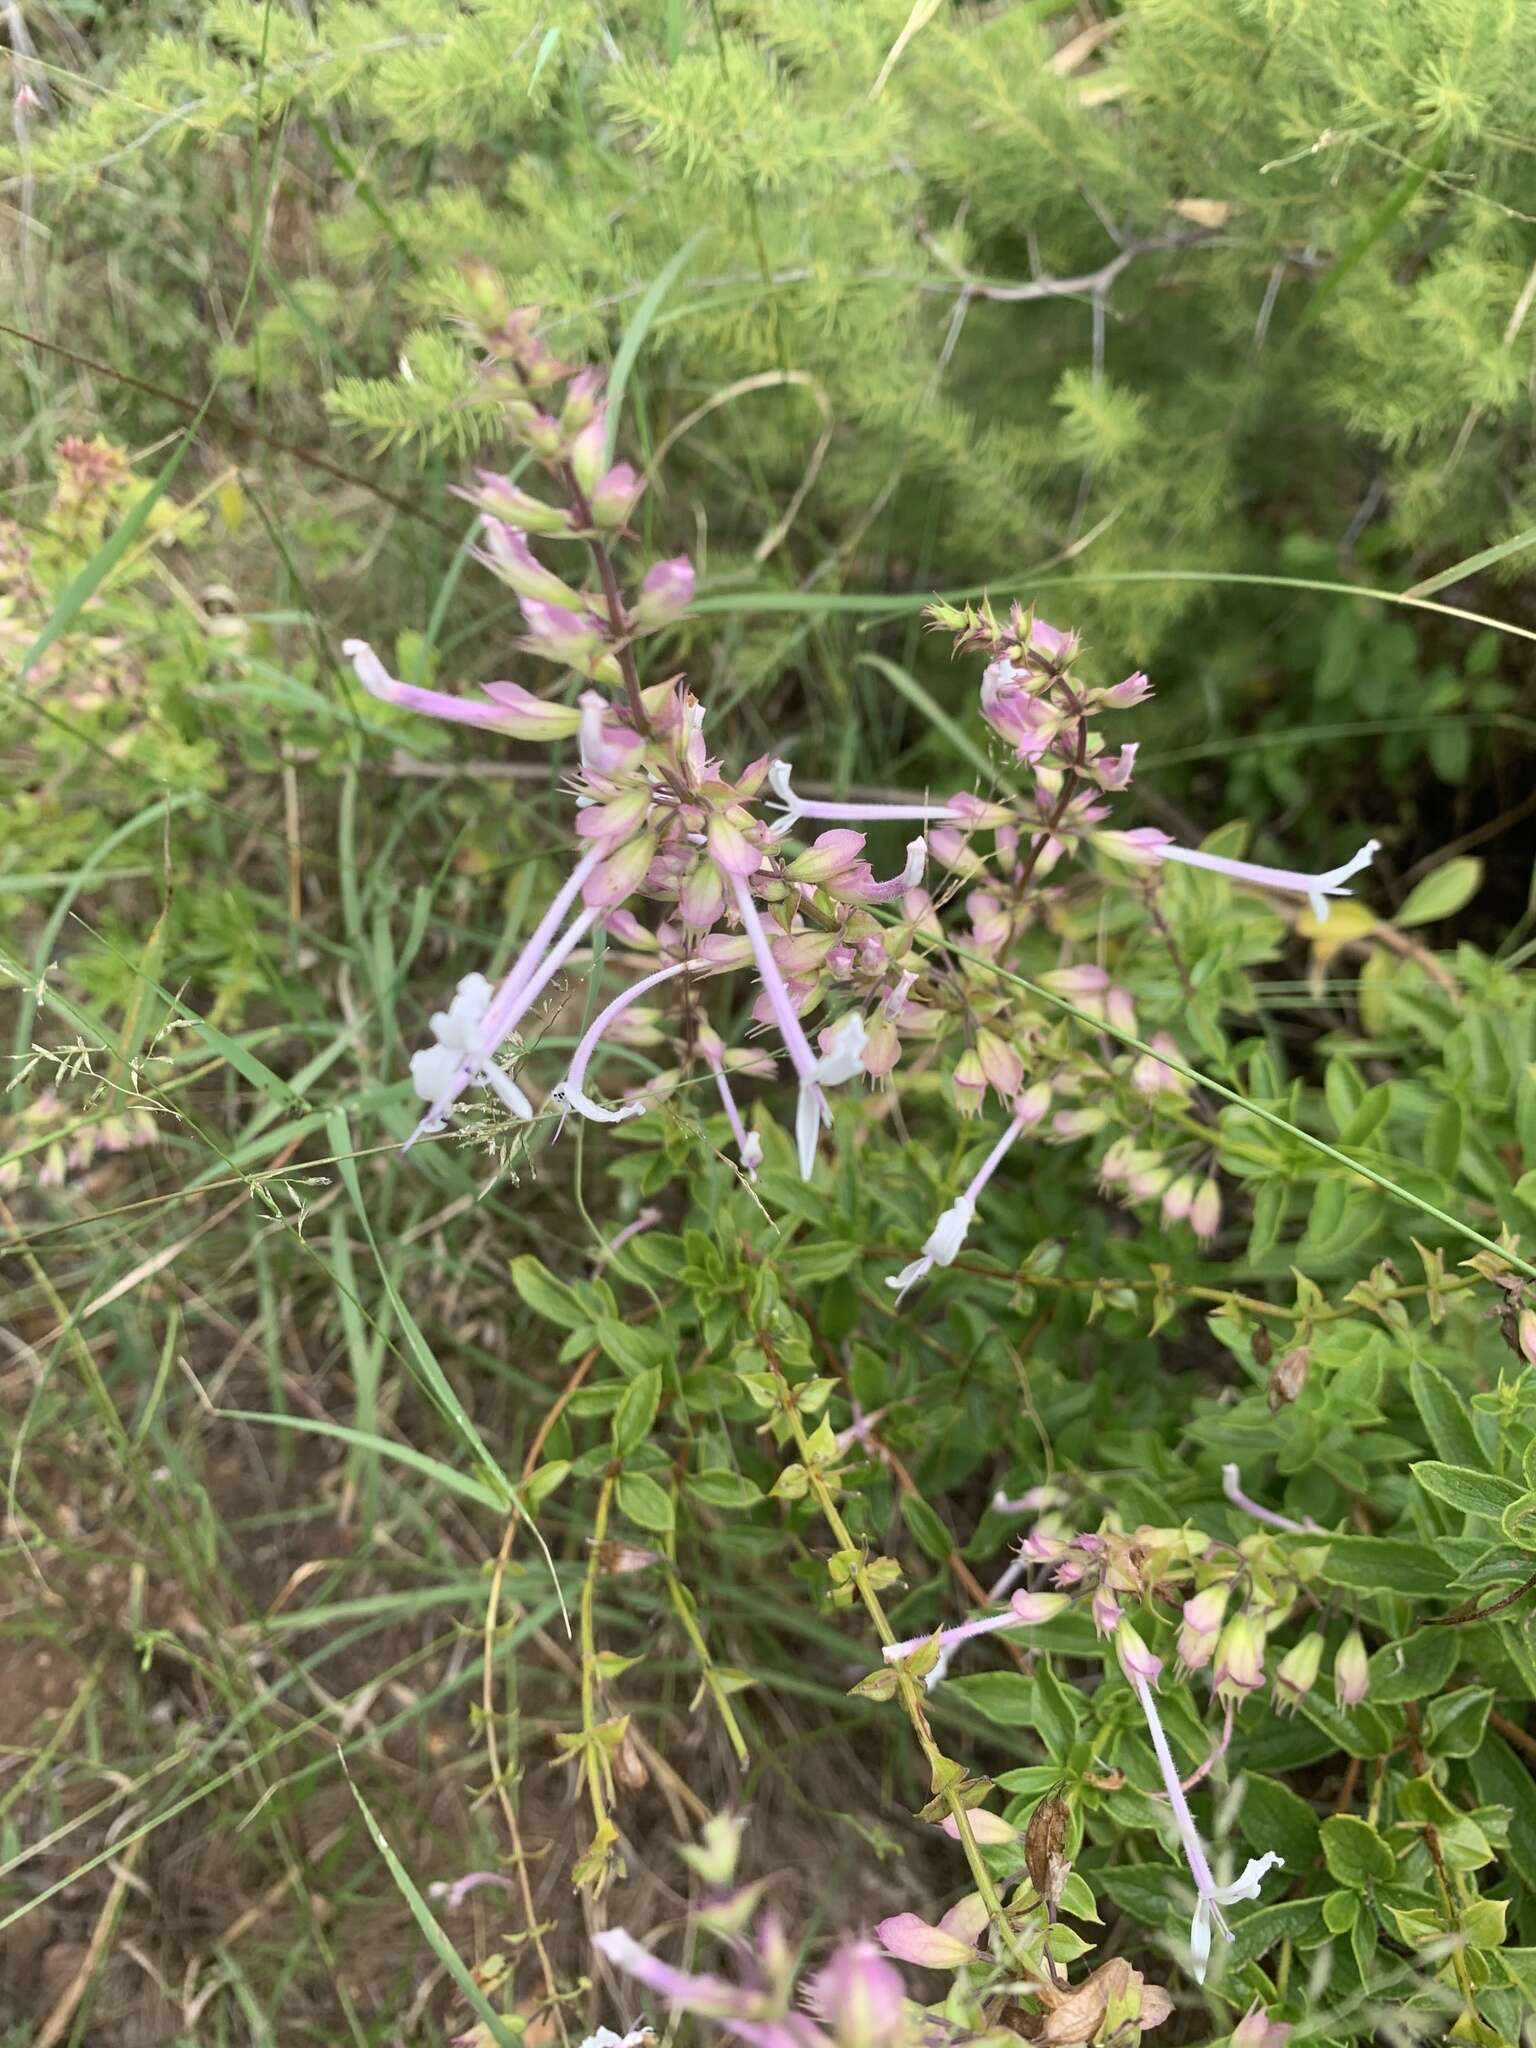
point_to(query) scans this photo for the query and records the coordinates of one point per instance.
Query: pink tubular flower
(860, 1997)
(1210, 1897)
(848, 813)
(1232, 1487)
(1201, 1625)
(746, 2014)
(1146, 844)
(1351, 1670)
(812, 1111)
(569, 1093)
(499, 498)
(521, 986)
(1257, 2030)
(514, 710)
(1025, 1610)
(614, 495)
(1239, 1666)
(948, 1234)
(506, 552)
(749, 1145)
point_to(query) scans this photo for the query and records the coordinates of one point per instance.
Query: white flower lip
(456, 1033)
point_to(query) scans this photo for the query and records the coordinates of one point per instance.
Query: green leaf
(1358, 1731)
(928, 1532)
(1005, 1697)
(1369, 1117)
(818, 1259)
(1257, 1932)
(547, 1296)
(1414, 1669)
(647, 1505)
(1441, 894)
(636, 1411)
(1502, 1779)
(1462, 1841)
(632, 1350)
(1355, 1853)
(1385, 1564)
(1272, 1816)
(1340, 1911)
(1455, 1723)
(1442, 1139)
(1471, 1492)
(1059, 1711)
(724, 1489)
(1445, 1415)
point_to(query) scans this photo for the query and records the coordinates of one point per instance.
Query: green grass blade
(910, 688)
(434, 1469)
(1501, 552)
(634, 336)
(422, 1914)
(422, 1356)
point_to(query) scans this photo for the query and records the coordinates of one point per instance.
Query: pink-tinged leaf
(967, 1919)
(990, 1829)
(912, 1940)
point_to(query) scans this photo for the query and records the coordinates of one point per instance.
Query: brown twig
(1472, 1612)
(213, 410)
(1092, 283)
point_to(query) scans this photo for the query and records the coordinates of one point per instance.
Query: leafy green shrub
(899, 303)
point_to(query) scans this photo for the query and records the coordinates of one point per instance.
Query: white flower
(605, 2037)
(841, 1061)
(843, 1057)
(944, 1241)
(456, 1031)
(1209, 1904)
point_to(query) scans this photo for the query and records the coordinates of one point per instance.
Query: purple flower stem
(1232, 1487)
(962, 1632)
(796, 1044)
(570, 1088)
(876, 814)
(519, 1004)
(1184, 1820)
(378, 682)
